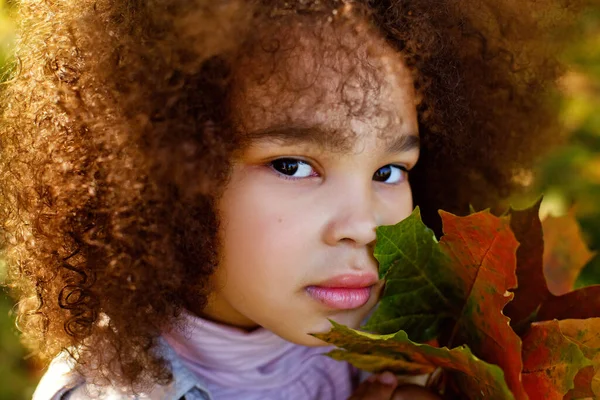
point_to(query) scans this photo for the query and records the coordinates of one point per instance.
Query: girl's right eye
(291, 168)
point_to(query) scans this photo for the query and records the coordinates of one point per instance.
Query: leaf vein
(416, 267)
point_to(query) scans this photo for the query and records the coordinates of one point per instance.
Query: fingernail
(387, 378)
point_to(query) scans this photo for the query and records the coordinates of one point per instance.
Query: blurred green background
(18, 373)
(570, 176)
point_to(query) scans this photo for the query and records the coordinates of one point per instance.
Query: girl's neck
(235, 363)
(221, 313)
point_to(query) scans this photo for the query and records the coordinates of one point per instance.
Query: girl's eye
(390, 174)
(292, 168)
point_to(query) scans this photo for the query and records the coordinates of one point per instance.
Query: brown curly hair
(115, 141)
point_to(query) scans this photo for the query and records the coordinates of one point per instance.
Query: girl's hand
(385, 387)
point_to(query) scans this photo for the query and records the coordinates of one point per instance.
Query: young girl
(189, 188)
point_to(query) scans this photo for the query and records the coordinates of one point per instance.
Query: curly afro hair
(115, 140)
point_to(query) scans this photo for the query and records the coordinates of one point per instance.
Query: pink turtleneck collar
(258, 364)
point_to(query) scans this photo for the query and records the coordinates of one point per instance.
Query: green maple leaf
(415, 268)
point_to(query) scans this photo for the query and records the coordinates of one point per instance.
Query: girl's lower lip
(340, 298)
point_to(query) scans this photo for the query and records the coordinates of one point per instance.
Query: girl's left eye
(291, 168)
(390, 174)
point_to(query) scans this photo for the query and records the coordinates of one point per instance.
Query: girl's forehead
(329, 78)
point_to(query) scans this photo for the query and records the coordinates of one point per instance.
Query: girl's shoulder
(58, 380)
(61, 382)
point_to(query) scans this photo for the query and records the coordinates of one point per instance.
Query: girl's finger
(414, 392)
(379, 387)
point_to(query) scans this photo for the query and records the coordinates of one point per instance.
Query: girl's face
(330, 125)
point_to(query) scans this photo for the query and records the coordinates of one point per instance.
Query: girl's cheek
(396, 204)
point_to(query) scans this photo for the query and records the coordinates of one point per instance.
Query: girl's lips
(340, 298)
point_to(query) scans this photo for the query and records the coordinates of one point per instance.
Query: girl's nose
(352, 219)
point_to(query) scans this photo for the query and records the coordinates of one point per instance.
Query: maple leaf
(586, 335)
(456, 290)
(582, 303)
(415, 268)
(475, 378)
(532, 290)
(550, 361)
(545, 259)
(533, 299)
(484, 252)
(465, 279)
(565, 252)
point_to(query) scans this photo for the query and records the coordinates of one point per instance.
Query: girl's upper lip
(351, 281)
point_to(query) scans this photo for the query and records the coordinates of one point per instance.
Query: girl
(190, 188)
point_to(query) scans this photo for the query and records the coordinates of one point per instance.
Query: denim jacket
(60, 383)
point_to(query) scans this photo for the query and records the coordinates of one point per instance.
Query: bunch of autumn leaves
(487, 311)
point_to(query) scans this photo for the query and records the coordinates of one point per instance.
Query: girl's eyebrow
(332, 140)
